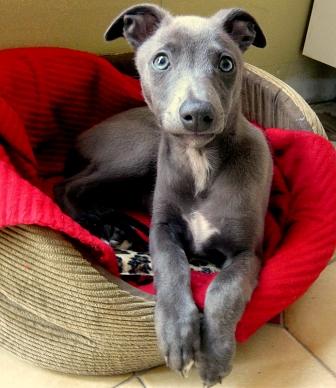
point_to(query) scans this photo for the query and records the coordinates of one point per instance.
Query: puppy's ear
(136, 24)
(242, 27)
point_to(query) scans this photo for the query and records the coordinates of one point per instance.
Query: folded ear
(136, 24)
(242, 27)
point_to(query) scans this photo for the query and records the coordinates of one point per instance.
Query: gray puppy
(213, 168)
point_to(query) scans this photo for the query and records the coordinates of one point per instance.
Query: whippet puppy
(213, 174)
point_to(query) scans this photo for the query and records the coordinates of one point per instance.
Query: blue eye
(225, 64)
(161, 62)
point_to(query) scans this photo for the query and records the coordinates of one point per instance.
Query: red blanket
(48, 96)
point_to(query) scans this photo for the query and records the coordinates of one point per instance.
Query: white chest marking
(201, 229)
(200, 167)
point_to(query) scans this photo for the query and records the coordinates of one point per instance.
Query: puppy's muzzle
(197, 115)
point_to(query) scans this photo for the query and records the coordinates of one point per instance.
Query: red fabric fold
(49, 95)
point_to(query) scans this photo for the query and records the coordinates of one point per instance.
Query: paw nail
(166, 360)
(186, 369)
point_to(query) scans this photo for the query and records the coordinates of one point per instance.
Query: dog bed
(63, 304)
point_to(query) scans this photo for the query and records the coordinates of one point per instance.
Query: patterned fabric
(135, 263)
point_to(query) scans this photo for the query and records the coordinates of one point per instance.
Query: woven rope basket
(61, 311)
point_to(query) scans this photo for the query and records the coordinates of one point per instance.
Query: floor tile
(312, 319)
(16, 373)
(132, 382)
(272, 358)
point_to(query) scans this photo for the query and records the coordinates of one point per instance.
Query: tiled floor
(301, 356)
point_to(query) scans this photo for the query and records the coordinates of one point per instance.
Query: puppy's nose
(196, 115)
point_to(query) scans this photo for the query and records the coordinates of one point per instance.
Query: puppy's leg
(71, 188)
(176, 315)
(82, 197)
(225, 303)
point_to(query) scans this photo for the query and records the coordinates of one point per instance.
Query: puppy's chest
(200, 226)
(201, 229)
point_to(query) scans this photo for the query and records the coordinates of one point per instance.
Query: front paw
(217, 352)
(178, 331)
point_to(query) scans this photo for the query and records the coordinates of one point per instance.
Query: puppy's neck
(201, 166)
(200, 162)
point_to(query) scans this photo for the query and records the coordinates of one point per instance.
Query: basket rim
(293, 95)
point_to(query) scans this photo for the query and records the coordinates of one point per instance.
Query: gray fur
(213, 181)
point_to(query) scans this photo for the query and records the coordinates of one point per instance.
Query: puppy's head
(190, 67)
